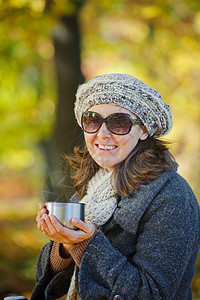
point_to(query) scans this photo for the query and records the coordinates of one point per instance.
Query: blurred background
(49, 47)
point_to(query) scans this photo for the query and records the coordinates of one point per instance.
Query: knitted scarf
(100, 203)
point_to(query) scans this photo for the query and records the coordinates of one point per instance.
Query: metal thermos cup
(65, 211)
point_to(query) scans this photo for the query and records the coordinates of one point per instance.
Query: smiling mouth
(106, 147)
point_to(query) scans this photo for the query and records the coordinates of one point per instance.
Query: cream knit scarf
(100, 203)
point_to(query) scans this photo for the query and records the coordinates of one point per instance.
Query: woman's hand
(41, 211)
(55, 231)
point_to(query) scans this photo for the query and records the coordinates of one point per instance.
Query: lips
(106, 147)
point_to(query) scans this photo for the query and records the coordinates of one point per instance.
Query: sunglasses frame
(104, 120)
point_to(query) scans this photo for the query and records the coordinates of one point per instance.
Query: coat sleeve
(167, 244)
(48, 286)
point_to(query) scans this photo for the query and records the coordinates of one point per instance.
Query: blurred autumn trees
(47, 48)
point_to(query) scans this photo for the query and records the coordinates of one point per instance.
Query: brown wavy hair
(146, 162)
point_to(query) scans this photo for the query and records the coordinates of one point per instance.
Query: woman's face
(109, 149)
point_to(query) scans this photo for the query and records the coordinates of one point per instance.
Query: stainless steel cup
(65, 211)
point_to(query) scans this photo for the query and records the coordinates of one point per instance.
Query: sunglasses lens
(119, 123)
(91, 122)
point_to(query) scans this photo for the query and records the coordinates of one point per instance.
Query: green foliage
(27, 77)
(27, 89)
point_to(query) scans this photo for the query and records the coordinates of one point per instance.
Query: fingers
(40, 214)
(44, 223)
(57, 225)
(48, 227)
(55, 231)
(66, 233)
(41, 211)
(41, 205)
(40, 225)
(52, 226)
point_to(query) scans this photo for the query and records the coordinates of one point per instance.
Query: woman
(140, 239)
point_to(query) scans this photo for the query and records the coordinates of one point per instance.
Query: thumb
(88, 228)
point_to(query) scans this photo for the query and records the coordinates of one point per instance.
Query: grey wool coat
(147, 250)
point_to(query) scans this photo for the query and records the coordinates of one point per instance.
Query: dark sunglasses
(117, 123)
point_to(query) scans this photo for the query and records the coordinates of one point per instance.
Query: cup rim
(64, 203)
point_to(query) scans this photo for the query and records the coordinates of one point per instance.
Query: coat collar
(133, 207)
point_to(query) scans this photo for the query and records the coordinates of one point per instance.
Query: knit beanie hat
(128, 92)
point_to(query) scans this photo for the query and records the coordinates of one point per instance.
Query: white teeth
(106, 147)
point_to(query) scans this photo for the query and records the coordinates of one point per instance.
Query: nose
(103, 132)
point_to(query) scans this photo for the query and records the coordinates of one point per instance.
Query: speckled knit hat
(128, 92)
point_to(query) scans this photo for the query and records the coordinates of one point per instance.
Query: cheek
(128, 143)
(89, 138)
